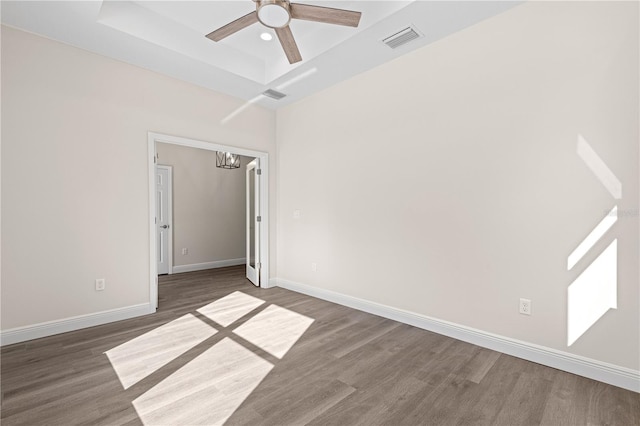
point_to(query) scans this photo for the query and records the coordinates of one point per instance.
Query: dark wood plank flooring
(348, 368)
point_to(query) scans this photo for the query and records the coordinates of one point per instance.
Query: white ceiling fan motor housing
(273, 13)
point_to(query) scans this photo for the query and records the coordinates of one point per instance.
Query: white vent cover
(402, 37)
(274, 94)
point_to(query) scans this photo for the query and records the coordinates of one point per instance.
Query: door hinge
(259, 218)
(259, 172)
(155, 220)
(259, 265)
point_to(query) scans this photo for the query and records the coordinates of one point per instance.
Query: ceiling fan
(277, 14)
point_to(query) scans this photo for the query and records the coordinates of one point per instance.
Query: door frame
(153, 138)
(255, 165)
(169, 170)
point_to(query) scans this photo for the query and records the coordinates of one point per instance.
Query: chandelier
(227, 160)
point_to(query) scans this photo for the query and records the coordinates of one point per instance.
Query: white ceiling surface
(168, 37)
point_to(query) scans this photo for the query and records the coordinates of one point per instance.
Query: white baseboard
(608, 373)
(49, 328)
(208, 265)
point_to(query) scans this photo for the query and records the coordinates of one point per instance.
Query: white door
(253, 222)
(163, 219)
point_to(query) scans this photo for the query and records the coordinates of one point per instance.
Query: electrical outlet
(185, 251)
(100, 284)
(525, 306)
(314, 267)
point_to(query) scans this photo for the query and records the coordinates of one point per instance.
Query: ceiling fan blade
(327, 15)
(289, 44)
(233, 27)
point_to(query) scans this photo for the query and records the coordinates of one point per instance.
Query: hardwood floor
(221, 350)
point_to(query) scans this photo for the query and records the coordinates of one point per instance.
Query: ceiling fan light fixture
(266, 36)
(273, 13)
(276, 14)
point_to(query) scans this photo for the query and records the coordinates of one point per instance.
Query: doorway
(260, 258)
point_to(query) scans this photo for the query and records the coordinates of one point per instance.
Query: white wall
(209, 216)
(74, 172)
(447, 182)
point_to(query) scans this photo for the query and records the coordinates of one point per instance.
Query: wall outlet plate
(100, 284)
(525, 306)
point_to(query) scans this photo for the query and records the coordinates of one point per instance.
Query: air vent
(274, 94)
(401, 37)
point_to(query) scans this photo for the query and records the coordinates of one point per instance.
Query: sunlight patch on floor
(207, 390)
(230, 308)
(274, 330)
(593, 293)
(142, 356)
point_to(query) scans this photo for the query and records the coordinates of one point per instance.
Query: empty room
(292, 212)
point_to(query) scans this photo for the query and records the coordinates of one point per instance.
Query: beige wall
(447, 182)
(209, 216)
(466, 195)
(74, 172)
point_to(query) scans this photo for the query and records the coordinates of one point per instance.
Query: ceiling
(168, 37)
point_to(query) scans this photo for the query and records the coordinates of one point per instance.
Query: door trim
(169, 170)
(210, 146)
(252, 273)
